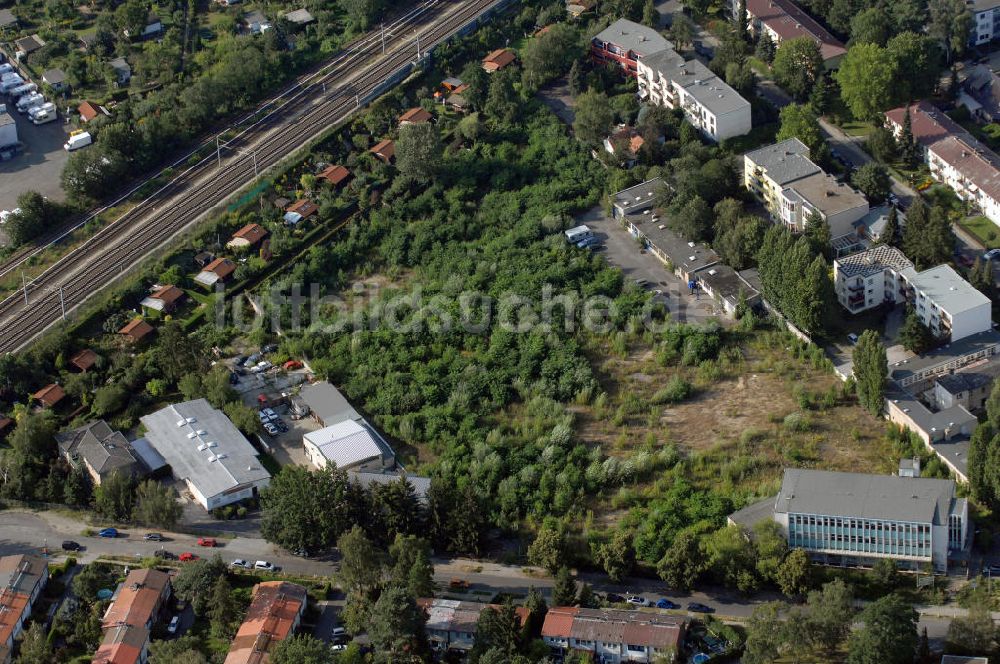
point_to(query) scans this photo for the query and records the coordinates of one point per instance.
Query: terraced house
(22, 579)
(613, 635)
(134, 609)
(274, 614)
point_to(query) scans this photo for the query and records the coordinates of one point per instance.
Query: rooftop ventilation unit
(192, 435)
(201, 448)
(201, 432)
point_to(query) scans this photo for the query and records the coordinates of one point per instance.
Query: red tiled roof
(168, 294)
(559, 621)
(335, 174)
(790, 22)
(271, 618)
(927, 123)
(137, 328)
(304, 207)
(223, 267)
(415, 116)
(139, 598)
(385, 149)
(87, 111)
(84, 360)
(499, 59)
(50, 395)
(5, 423)
(252, 233)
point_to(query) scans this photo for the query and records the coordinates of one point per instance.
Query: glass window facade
(861, 536)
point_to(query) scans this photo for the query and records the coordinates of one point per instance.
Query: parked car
(991, 254)
(458, 584)
(265, 566)
(638, 600)
(70, 545)
(153, 537)
(614, 598)
(698, 607)
(206, 541)
(269, 348)
(163, 553)
(240, 564)
(234, 378)
(261, 367)
(174, 624)
(291, 365)
(239, 360)
(282, 427)
(269, 414)
(187, 556)
(666, 604)
(252, 360)
(853, 338)
(271, 429)
(108, 532)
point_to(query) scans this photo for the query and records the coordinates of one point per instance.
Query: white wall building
(205, 450)
(718, 111)
(350, 445)
(945, 302)
(985, 21)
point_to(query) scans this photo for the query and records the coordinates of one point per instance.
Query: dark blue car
(108, 532)
(666, 604)
(698, 607)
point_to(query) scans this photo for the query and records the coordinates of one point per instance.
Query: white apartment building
(954, 156)
(985, 21)
(945, 302)
(718, 111)
(792, 187)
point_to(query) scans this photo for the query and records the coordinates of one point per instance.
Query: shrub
(677, 389)
(796, 422)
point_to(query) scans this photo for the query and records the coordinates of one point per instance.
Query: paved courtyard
(38, 166)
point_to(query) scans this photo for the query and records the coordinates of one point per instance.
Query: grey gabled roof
(102, 448)
(858, 495)
(784, 162)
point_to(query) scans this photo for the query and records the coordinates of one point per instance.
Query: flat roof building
(624, 43)
(854, 519)
(205, 450)
(637, 199)
(327, 404)
(349, 445)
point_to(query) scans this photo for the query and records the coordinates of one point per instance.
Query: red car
(291, 364)
(187, 556)
(206, 541)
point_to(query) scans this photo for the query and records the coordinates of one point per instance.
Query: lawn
(983, 229)
(857, 128)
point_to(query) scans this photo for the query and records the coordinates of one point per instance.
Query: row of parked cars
(662, 603)
(24, 96)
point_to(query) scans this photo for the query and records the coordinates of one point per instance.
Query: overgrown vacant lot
(763, 405)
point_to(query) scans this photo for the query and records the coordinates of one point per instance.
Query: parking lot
(623, 251)
(286, 447)
(39, 165)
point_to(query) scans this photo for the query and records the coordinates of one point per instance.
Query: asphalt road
(28, 532)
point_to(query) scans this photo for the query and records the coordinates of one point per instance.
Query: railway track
(330, 97)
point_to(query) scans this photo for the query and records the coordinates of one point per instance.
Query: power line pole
(62, 303)
(218, 152)
(24, 284)
(383, 39)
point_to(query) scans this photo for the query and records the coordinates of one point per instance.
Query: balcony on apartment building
(856, 301)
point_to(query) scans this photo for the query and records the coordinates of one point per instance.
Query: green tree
(950, 22)
(301, 649)
(882, 145)
(797, 65)
(866, 77)
(305, 509)
(182, 650)
(682, 31)
(830, 614)
(974, 632)
(550, 55)
(77, 489)
(115, 496)
(891, 234)
(765, 48)
(418, 151)
(362, 13)
(800, 121)
(564, 589)
(33, 217)
(766, 634)
(822, 95)
(593, 117)
(885, 574)
(870, 372)
(872, 179)
(909, 151)
(574, 79)
(817, 232)
(362, 566)
(93, 173)
(156, 505)
(411, 565)
(502, 101)
(795, 573)
(548, 549)
(771, 548)
(981, 276)
(397, 623)
(243, 417)
(914, 335)
(178, 353)
(223, 611)
(196, 580)
(682, 563)
(616, 556)
(918, 62)
(692, 219)
(871, 26)
(497, 629)
(35, 648)
(927, 236)
(396, 508)
(888, 634)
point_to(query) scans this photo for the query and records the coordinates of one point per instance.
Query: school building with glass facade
(853, 519)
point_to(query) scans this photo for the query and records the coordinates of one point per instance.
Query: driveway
(623, 251)
(38, 167)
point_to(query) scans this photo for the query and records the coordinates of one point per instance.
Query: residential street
(28, 532)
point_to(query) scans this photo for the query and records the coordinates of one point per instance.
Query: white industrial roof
(202, 446)
(348, 443)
